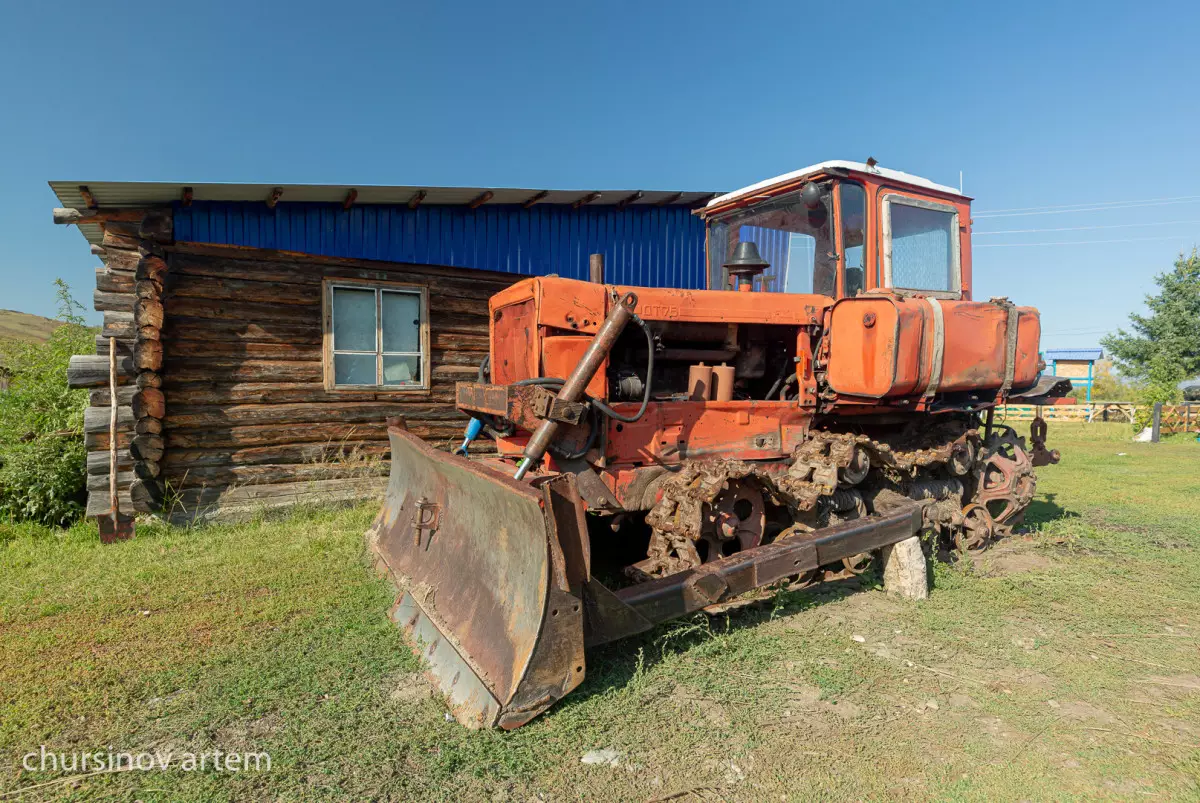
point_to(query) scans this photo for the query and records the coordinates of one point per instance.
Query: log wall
(129, 291)
(247, 421)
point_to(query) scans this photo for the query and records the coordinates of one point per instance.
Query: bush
(43, 463)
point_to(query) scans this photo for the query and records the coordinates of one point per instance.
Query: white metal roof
(154, 193)
(837, 164)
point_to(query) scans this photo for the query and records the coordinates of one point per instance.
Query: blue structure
(647, 245)
(1078, 365)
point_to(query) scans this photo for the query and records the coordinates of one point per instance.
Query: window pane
(401, 370)
(802, 250)
(854, 206)
(353, 320)
(354, 369)
(401, 322)
(922, 248)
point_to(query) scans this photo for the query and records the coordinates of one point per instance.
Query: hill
(23, 326)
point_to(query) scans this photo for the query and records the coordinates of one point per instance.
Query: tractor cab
(839, 229)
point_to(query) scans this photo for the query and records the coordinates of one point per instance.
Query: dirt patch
(410, 687)
(699, 709)
(1180, 684)
(248, 734)
(1010, 557)
(1081, 711)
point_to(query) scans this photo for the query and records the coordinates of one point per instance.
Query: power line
(1080, 242)
(1091, 228)
(1089, 203)
(1094, 208)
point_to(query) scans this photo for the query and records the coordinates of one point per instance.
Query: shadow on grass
(616, 665)
(1041, 511)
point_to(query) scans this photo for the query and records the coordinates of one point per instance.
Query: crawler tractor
(662, 451)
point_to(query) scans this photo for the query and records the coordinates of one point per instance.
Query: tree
(1164, 347)
(1107, 385)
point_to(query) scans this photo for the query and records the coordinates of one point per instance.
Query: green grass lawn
(1063, 664)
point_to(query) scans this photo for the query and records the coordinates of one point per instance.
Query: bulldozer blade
(490, 574)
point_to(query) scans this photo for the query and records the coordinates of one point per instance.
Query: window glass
(354, 369)
(796, 242)
(854, 217)
(401, 322)
(922, 247)
(401, 370)
(371, 351)
(353, 319)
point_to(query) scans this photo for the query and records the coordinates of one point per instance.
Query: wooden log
(180, 417)
(148, 426)
(149, 333)
(98, 503)
(265, 255)
(145, 288)
(120, 302)
(113, 241)
(179, 461)
(346, 488)
(158, 226)
(148, 313)
(99, 482)
(123, 262)
(96, 419)
(224, 475)
(148, 355)
(90, 370)
(149, 402)
(152, 268)
(185, 286)
(146, 447)
(312, 274)
(260, 313)
(100, 397)
(146, 495)
(97, 462)
(182, 371)
(222, 393)
(149, 379)
(146, 469)
(66, 216)
(149, 248)
(232, 349)
(274, 435)
(118, 324)
(125, 345)
(179, 327)
(98, 441)
(108, 281)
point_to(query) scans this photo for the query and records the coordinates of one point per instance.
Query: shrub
(43, 463)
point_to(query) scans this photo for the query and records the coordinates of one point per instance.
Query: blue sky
(1038, 104)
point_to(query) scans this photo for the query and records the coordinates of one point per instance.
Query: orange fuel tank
(886, 346)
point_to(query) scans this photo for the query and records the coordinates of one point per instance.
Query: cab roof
(837, 164)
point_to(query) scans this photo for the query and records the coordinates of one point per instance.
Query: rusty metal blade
(471, 552)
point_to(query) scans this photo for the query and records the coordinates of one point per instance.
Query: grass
(1063, 664)
(25, 327)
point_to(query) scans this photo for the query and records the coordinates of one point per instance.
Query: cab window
(854, 237)
(920, 245)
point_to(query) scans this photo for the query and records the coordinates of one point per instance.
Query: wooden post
(596, 267)
(1156, 423)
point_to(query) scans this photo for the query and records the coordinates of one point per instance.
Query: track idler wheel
(977, 531)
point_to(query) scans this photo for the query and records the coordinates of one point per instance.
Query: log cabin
(261, 335)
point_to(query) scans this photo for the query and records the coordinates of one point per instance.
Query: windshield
(794, 239)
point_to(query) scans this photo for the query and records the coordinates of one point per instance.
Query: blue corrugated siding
(648, 246)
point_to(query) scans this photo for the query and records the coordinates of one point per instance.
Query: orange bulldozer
(664, 451)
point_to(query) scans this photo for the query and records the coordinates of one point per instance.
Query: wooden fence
(1175, 417)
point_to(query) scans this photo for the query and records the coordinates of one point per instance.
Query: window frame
(841, 234)
(329, 284)
(886, 200)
